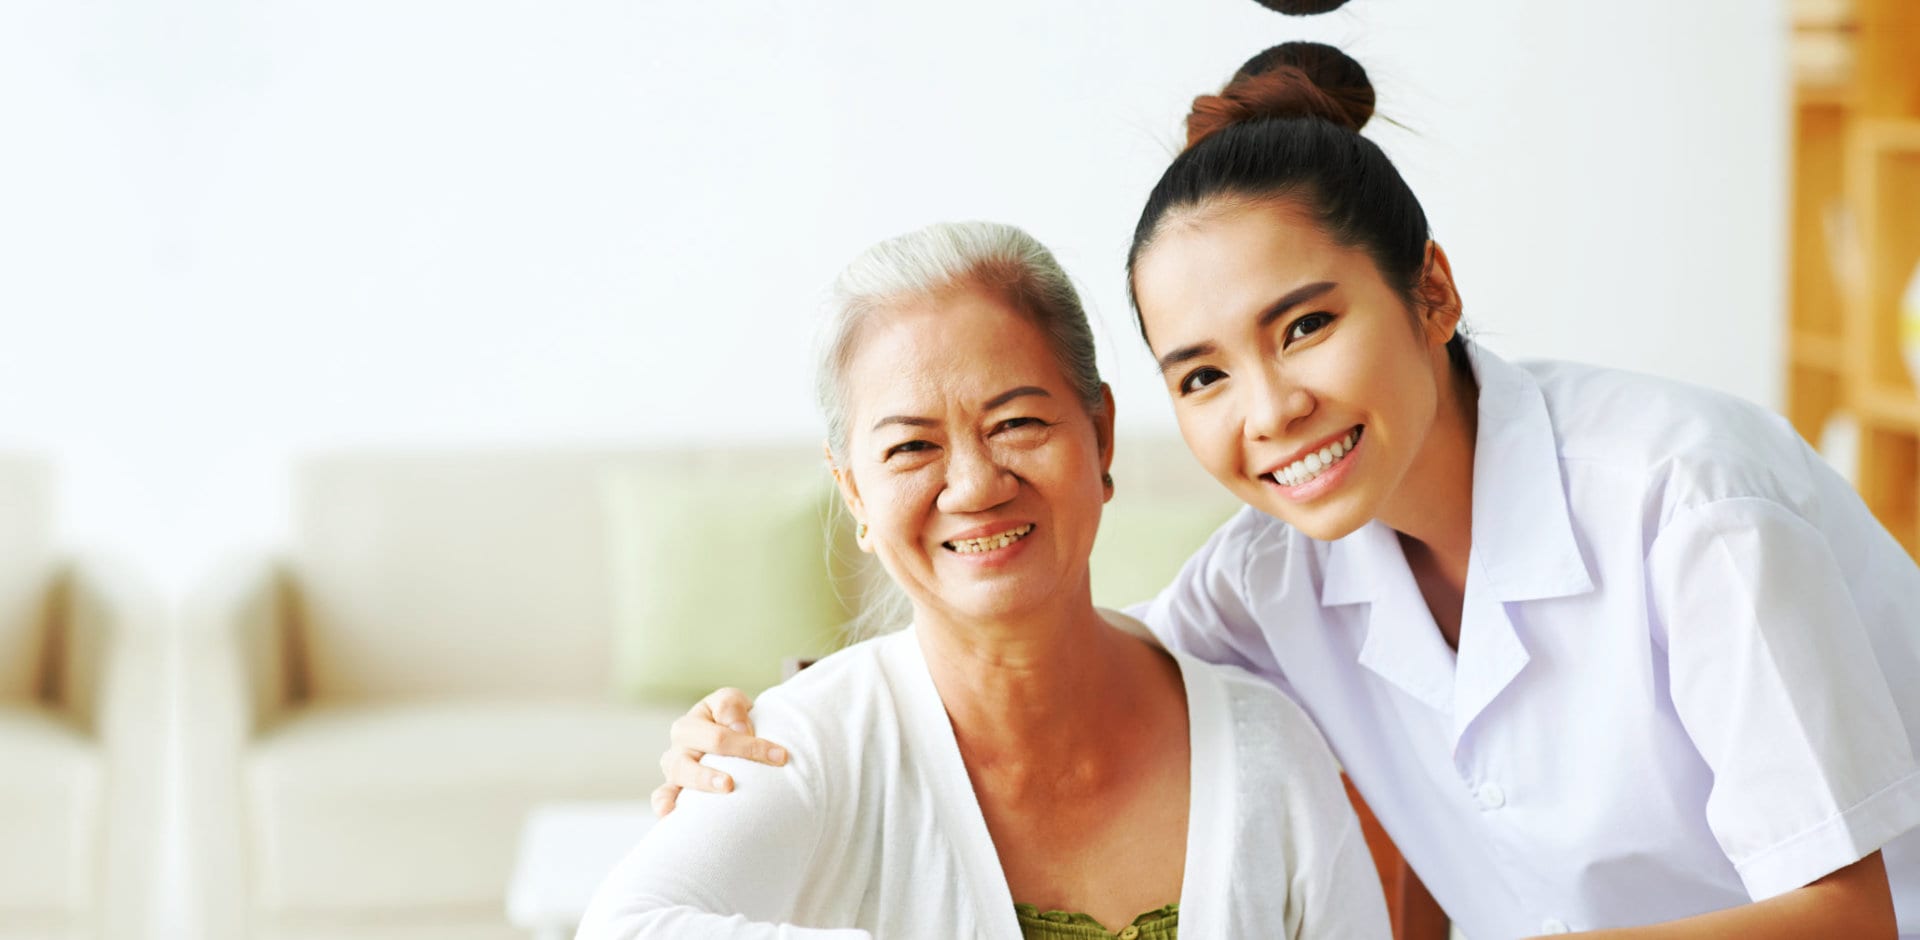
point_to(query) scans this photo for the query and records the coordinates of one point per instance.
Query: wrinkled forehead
(945, 357)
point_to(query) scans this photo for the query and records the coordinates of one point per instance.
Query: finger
(729, 709)
(663, 799)
(692, 734)
(683, 770)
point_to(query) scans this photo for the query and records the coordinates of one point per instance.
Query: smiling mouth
(1304, 470)
(989, 543)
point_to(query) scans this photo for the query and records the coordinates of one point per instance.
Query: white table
(566, 850)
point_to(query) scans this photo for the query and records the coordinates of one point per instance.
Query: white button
(1554, 925)
(1490, 796)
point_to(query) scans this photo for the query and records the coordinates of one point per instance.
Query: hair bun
(1302, 7)
(1290, 80)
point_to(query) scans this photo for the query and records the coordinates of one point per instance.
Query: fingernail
(739, 726)
(719, 782)
(777, 755)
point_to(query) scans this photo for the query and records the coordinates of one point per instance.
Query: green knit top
(1158, 924)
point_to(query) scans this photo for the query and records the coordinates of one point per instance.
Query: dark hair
(1287, 126)
(1302, 7)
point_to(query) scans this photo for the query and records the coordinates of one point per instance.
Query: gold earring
(862, 533)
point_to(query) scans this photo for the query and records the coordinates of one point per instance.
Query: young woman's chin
(1325, 520)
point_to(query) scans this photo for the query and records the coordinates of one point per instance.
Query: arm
(1773, 674)
(112, 645)
(732, 870)
(1852, 902)
(233, 634)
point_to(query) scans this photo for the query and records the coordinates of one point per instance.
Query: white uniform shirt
(872, 829)
(1688, 673)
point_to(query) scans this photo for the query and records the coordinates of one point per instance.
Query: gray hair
(941, 257)
(916, 266)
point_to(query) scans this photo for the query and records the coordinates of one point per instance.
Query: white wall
(232, 231)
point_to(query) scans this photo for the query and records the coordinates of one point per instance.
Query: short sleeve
(724, 866)
(1203, 613)
(1775, 679)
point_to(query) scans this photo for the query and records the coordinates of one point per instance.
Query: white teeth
(991, 542)
(1310, 466)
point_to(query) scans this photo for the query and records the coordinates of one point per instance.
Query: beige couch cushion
(464, 574)
(384, 809)
(26, 547)
(50, 813)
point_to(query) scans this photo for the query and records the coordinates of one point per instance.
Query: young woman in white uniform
(1601, 651)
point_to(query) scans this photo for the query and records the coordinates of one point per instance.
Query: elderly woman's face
(970, 458)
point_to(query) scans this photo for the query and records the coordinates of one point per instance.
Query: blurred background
(240, 231)
(394, 350)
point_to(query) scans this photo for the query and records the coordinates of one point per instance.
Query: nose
(976, 480)
(1273, 402)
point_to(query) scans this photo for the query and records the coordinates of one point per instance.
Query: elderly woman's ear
(1103, 433)
(850, 493)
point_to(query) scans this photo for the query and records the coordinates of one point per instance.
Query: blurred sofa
(450, 638)
(81, 731)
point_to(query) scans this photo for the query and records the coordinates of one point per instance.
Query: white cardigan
(872, 831)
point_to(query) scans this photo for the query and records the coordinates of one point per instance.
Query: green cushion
(720, 574)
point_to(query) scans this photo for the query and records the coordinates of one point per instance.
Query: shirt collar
(1523, 539)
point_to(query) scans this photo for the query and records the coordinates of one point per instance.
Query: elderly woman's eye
(1014, 424)
(908, 447)
(1200, 378)
(1308, 325)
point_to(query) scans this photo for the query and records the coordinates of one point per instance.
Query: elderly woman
(1011, 764)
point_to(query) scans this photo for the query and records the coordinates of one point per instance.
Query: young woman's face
(971, 459)
(1299, 377)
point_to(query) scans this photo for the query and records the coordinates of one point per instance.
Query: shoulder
(1690, 445)
(1286, 780)
(1216, 604)
(1251, 541)
(824, 695)
(1267, 722)
(828, 713)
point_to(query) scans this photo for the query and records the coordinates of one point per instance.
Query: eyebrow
(1274, 311)
(992, 403)
(1013, 393)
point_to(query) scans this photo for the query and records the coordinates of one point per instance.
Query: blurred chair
(81, 726)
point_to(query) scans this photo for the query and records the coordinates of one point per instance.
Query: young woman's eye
(1200, 378)
(907, 447)
(1308, 325)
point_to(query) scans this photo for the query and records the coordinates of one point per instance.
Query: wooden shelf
(1896, 136)
(1816, 350)
(1892, 409)
(1883, 193)
(1855, 241)
(1820, 96)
